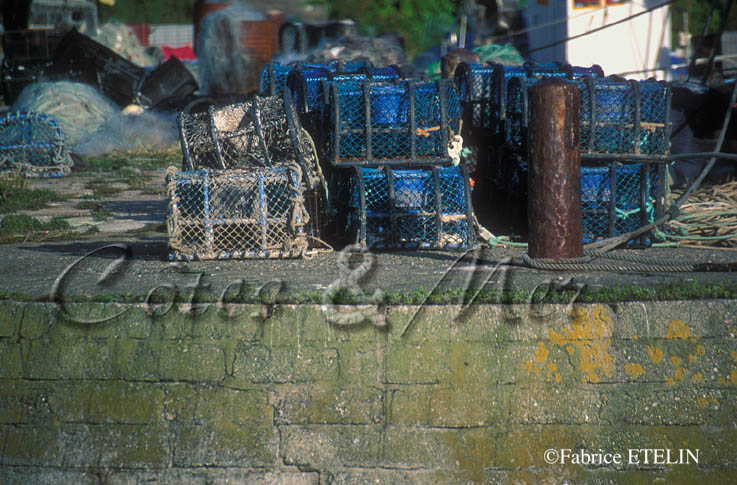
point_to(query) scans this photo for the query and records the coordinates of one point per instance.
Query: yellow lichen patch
(634, 370)
(679, 373)
(678, 329)
(700, 350)
(712, 399)
(675, 360)
(670, 381)
(541, 355)
(696, 378)
(733, 376)
(722, 381)
(590, 334)
(656, 355)
(552, 367)
(701, 402)
(692, 358)
(558, 377)
(733, 354)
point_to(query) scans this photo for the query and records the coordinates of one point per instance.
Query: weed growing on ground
(15, 195)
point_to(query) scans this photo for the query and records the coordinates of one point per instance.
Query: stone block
(546, 404)
(329, 404)
(125, 403)
(86, 359)
(421, 363)
(208, 405)
(135, 359)
(23, 402)
(331, 446)
(225, 444)
(11, 362)
(409, 406)
(32, 445)
(188, 361)
(257, 363)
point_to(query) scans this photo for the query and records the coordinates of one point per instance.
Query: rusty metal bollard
(555, 171)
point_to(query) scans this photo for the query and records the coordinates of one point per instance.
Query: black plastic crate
(169, 79)
(82, 59)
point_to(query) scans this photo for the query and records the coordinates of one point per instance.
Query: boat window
(586, 3)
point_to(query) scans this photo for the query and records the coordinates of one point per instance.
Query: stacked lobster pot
(495, 117)
(250, 185)
(625, 144)
(34, 144)
(393, 149)
(625, 140)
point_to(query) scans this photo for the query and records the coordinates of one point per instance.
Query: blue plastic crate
(235, 214)
(404, 122)
(422, 208)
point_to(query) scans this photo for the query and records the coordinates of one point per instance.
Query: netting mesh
(195, 137)
(410, 208)
(273, 79)
(483, 90)
(632, 206)
(474, 83)
(33, 143)
(619, 116)
(255, 213)
(405, 121)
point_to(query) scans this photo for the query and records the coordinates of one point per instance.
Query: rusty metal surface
(555, 171)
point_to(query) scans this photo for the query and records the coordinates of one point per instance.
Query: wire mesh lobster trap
(417, 208)
(236, 214)
(401, 123)
(264, 132)
(619, 199)
(625, 117)
(483, 90)
(305, 83)
(33, 143)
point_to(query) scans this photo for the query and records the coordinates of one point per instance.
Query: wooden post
(555, 171)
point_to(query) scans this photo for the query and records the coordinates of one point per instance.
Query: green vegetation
(101, 188)
(23, 227)
(696, 12)
(148, 12)
(421, 23)
(15, 195)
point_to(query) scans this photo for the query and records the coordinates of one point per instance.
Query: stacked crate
(398, 183)
(624, 125)
(250, 185)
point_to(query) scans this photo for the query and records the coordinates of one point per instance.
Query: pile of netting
(79, 108)
(224, 66)
(130, 133)
(123, 40)
(708, 217)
